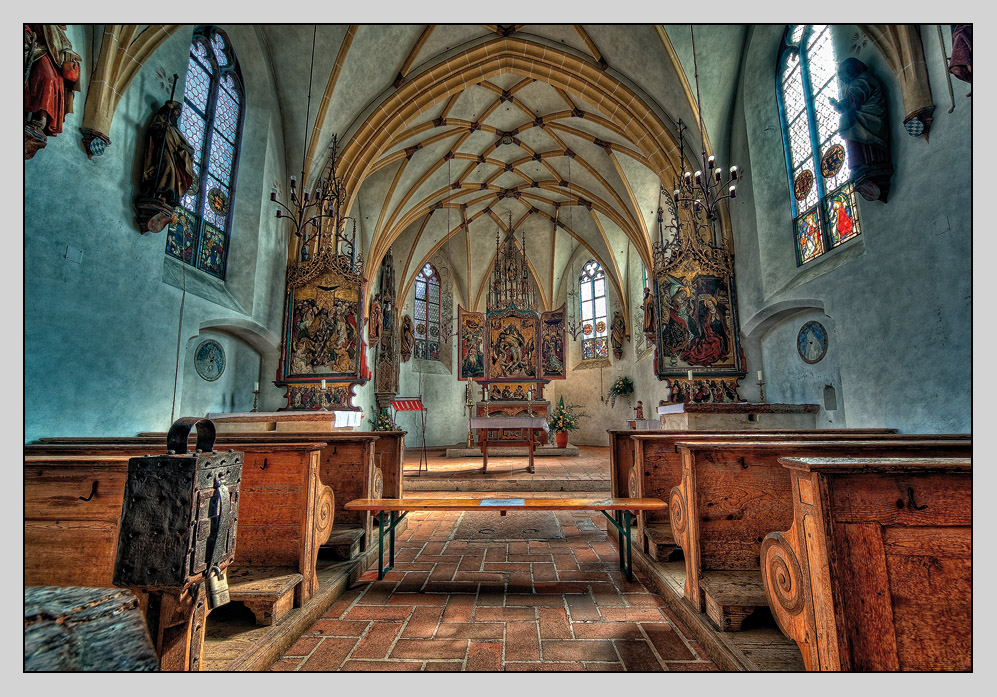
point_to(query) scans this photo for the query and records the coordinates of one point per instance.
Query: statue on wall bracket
(386, 357)
(51, 75)
(167, 169)
(865, 128)
(323, 356)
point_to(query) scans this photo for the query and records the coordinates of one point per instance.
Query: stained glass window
(428, 331)
(822, 198)
(595, 328)
(211, 120)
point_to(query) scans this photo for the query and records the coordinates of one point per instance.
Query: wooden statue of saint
(408, 338)
(649, 317)
(51, 75)
(168, 170)
(617, 334)
(865, 127)
(375, 319)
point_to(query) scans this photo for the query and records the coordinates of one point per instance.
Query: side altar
(286, 421)
(737, 417)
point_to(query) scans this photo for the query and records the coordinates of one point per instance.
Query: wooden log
(85, 629)
(875, 571)
(734, 492)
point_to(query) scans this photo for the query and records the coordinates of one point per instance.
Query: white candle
(323, 383)
(256, 387)
(690, 375)
(759, 376)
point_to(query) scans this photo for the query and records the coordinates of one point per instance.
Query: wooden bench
(646, 463)
(286, 513)
(875, 572)
(387, 515)
(733, 493)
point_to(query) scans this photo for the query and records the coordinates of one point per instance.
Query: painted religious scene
(472, 344)
(512, 346)
(696, 326)
(552, 363)
(322, 338)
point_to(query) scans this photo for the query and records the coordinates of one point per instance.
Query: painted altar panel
(471, 349)
(513, 346)
(515, 391)
(323, 334)
(697, 325)
(552, 364)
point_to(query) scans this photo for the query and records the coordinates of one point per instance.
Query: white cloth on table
(493, 422)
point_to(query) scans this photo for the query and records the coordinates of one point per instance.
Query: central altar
(511, 351)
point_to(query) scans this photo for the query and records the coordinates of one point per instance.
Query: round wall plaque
(209, 360)
(812, 342)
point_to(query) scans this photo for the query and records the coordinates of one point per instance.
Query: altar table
(493, 424)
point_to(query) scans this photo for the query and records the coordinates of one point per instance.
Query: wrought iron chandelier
(704, 188)
(312, 213)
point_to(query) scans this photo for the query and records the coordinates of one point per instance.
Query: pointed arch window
(821, 191)
(428, 328)
(595, 329)
(211, 120)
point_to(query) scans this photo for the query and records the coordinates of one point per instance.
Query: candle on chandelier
(733, 172)
(732, 191)
(273, 195)
(711, 162)
(676, 194)
(717, 174)
(293, 182)
(688, 178)
(699, 177)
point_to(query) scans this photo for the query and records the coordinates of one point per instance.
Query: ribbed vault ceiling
(511, 145)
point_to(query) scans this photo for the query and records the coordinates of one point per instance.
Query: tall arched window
(823, 200)
(213, 109)
(595, 329)
(427, 314)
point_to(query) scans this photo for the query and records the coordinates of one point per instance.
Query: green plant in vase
(623, 387)
(562, 420)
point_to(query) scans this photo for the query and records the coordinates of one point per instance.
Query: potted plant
(563, 419)
(383, 422)
(623, 387)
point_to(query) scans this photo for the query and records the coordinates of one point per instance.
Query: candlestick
(761, 390)
(759, 375)
(256, 394)
(689, 375)
(256, 387)
(323, 383)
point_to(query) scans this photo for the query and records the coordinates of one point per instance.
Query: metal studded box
(179, 512)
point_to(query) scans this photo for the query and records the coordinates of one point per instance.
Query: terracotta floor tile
(429, 649)
(303, 646)
(582, 607)
(693, 667)
(554, 624)
(330, 654)
(418, 599)
(522, 642)
(544, 667)
(444, 666)
(603, 667)
(504, 614)
(470, 630)
(667, 642)
(579, 650)
(380, 666)
(631, 614)
(459, 608)
(637, 656)
(378, 640)
(606, 630)
(338, 628)
(286, 664)
(484, 655)
(534, 600)
(375, 612)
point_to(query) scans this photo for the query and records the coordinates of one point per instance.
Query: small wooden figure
(639, 409)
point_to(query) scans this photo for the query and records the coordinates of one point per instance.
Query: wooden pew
(286, 513)
(734, 492)
(875, 572)
(646, 464)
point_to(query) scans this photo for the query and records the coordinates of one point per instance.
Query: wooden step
(661, 543)
(345, 541)
(732, 596)
(267, 591)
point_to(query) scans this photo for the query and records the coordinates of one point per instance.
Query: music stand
(414, 404)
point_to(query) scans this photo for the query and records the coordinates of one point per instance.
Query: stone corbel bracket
(900, 45)
(124, 49)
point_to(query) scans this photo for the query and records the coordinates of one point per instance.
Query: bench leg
(391, 545)
(621, 520)
(630, 553)
(380, 545)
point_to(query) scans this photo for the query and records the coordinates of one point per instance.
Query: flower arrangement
(623, 387)
(383, 422)
(563, 418)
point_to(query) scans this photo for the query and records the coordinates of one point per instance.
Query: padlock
(217, 588)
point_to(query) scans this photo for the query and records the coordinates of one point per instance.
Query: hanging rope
(948, 75)
(176, 370)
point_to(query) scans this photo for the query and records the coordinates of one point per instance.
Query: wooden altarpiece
(323, 333)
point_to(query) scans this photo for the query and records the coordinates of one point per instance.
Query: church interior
(498, 347)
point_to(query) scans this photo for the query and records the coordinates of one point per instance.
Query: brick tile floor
(556, 604)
